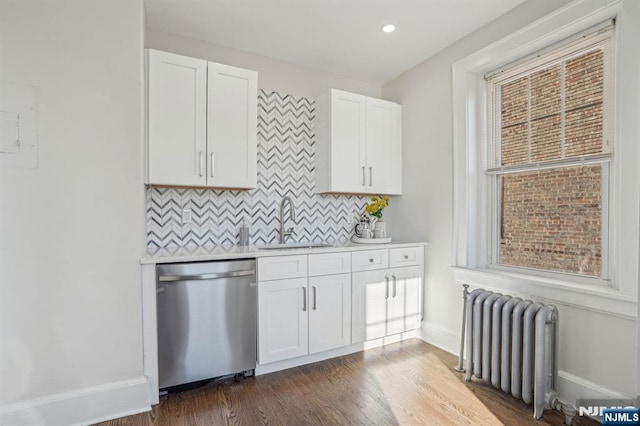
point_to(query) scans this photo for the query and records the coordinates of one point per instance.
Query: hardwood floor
(408, 383)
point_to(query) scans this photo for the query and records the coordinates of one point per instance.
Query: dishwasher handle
(200, 277)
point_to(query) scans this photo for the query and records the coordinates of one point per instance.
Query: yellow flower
(377, 205)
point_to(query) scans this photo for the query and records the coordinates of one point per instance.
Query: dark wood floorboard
(408, 383)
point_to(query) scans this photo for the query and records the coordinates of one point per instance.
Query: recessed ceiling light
(388, 28)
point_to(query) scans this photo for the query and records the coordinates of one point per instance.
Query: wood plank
(406, 383)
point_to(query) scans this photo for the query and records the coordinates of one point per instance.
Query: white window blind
(537, 109)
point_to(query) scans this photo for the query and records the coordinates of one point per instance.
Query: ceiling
(342, 37)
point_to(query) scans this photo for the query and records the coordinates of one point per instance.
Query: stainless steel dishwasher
(206, 320)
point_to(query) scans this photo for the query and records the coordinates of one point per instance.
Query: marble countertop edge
(204, 253)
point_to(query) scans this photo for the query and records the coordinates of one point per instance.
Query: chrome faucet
(292, 215)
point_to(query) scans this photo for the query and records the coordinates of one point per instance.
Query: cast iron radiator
(511, 343)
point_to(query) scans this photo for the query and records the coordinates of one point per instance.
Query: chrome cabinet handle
(370, 176)
(201, 165)
(394, 285)
(213, 167)
(386, 287)
(363, 177)
(304, 299)
(314, 298)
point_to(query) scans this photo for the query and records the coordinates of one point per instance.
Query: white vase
(380, 231)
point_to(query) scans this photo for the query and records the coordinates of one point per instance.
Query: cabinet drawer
(329, 264)
(369, 259)
(282, 267)
(406, 256)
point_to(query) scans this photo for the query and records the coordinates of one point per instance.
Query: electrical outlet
(186, 216)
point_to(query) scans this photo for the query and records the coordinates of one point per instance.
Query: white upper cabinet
(202, 123)
(232, 128)
(384, 170)
(358, 144)
(177, 128)
(347, 150)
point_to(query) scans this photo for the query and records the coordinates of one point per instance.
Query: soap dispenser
(243, 234)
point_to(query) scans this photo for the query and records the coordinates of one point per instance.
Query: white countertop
(192, 254)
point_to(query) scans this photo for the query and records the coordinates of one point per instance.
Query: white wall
(72, 230)
(597, 353)
(273, 75)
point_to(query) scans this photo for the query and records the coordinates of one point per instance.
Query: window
(548, 159)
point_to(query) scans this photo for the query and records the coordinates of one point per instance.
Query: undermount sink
(293, 246)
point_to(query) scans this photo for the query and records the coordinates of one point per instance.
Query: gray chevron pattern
(285, 168)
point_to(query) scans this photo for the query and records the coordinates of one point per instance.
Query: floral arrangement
(377, 205)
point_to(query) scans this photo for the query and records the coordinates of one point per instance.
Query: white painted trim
(309, 359)
(150, 331)
(571, 387)
(471, 215)
(80, 407)
(603, 300)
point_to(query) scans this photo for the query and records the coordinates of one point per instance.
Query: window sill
(598, 299)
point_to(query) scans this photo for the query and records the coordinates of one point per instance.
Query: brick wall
(551, 219)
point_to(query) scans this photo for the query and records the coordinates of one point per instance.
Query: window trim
(470, 228)
(599, 37)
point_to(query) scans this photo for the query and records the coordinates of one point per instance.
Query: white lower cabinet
(386, 292)
(330, 312)
(385, 302)
(404, 303)
(314, 303)
(369, 303)
(282, 319)
(304, 315)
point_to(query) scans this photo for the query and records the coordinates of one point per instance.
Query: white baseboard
(571, 387)
(441, 337)
(81, 407)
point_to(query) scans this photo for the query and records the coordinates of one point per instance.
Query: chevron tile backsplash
(285, 167)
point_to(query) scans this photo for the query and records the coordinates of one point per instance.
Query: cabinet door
(348, 166)
(282, 319)
(369, 294)
(383, 147)
(329, 312)
(232, 127)
(177, 108)
(405, 300)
